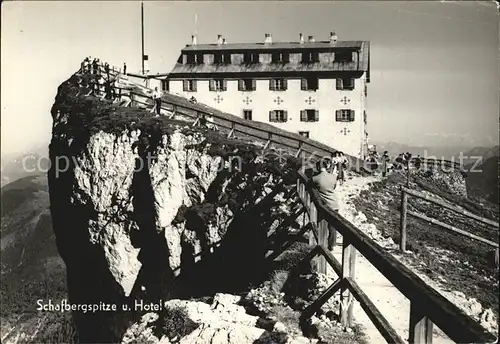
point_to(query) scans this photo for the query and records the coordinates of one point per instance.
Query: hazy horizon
(434, 65)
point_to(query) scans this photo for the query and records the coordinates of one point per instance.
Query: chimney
(193, 40)
(219, 39)
(268, 39)
(301, 38)
(224, 41)
(311, 39)
(333, 37)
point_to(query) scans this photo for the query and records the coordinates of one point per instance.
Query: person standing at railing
(385, 162)
(95, 66)
(418, 162)
(326, 184)
(124, 68)
(157, 94)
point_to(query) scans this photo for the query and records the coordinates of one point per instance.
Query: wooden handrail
(449, 318)
(452, 228)
(449, 206)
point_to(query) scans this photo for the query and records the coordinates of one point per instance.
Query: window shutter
(271, 116)
(194, 86)
(303, 84)
(285, 84)
(241, 85)
(351, 115)
(351, 83)
(285, 116)
(272, 84)
(303, 117)
(339, 83)
(286, 57)
(338, 115)
(211, 85)
(224, 85)
(316, 115)
(184, 85)
(254, 84)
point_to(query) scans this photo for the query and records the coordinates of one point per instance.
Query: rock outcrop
(221, 322)
(150, 209)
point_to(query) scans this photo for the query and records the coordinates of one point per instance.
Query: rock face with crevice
(148, 208)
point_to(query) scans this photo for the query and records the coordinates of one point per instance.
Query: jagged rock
(141, 332)
(142, 202)
(219, 312)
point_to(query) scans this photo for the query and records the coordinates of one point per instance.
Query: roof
(275, 46)
(181, 70)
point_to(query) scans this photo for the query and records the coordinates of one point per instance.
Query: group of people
(402, 162)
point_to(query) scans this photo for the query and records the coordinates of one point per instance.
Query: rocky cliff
(146, 208)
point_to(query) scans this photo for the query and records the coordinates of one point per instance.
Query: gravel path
(390, 301)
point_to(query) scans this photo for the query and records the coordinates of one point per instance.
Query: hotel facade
(316, 89)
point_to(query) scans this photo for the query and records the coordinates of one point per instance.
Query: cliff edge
(147, 209)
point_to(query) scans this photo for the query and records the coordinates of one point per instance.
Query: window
(309, 84)
(278, 84)
(304, 133)
(191, 58)
(251, 58)
(310, 57)
(194, 58)
(165, 85)
(280, 57)
(344, 115)
(278, 116)
(345, 84)
(217, 85)
(222, 58)
(247, 114)
(343, 56)
(217, 58)
(189, 85)
(309, 115)
(247, 85)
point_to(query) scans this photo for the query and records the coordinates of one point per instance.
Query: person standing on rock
(326, 184)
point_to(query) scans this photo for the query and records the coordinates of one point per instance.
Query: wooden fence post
(334, 233)
(346, 298)
(323, 238)
(312, 239)
(402, 229)
(233, 126)
(420, 326)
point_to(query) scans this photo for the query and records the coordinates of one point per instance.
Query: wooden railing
(405, 193)
(428, 307)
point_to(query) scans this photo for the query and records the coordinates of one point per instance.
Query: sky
(434, 64)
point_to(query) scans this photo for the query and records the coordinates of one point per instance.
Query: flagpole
(142, 35)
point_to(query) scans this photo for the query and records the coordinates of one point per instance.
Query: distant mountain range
(31, 267)
(446, 152)
(16, 166)
(482, 180)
